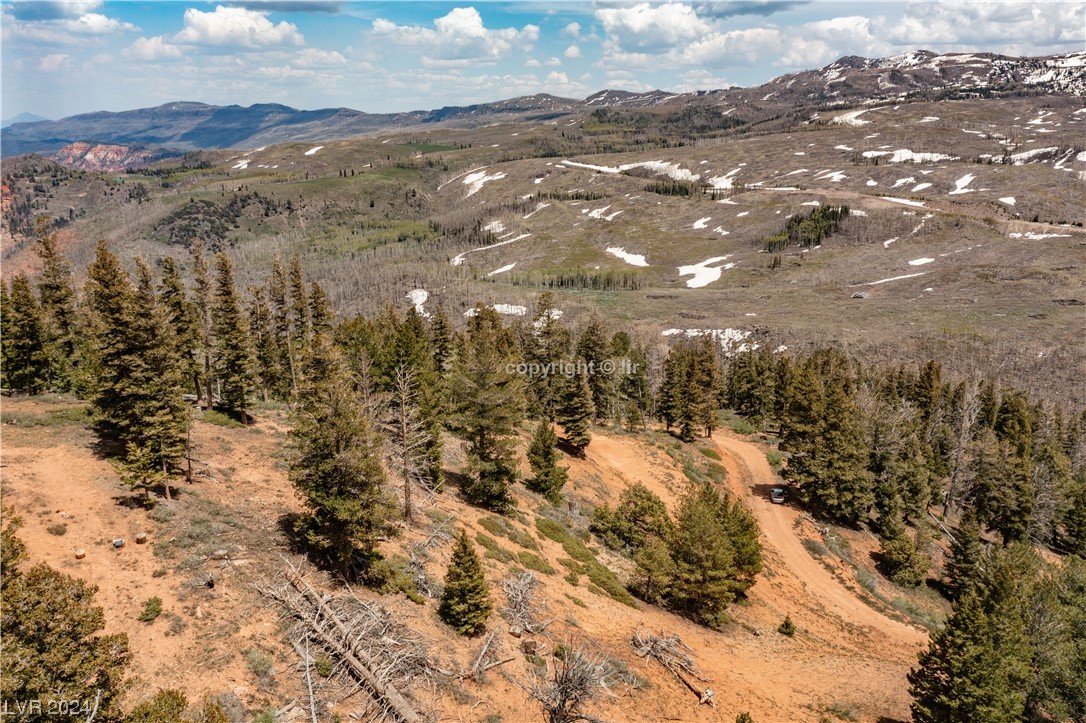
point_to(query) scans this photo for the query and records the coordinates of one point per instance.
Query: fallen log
(357, 660)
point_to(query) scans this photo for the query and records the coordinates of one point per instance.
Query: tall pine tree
(488, 400)
(575, 409)
(27, 361)
(548, 477)
(233, 352)
(337, 466)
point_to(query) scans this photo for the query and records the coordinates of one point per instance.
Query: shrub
(324, 665)
(533, 561)
(775, 457)
(787, 627)
(167, 705)
(57, 529)
(260, 664)
(151, 610)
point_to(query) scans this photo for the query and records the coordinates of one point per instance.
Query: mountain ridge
(190, 125)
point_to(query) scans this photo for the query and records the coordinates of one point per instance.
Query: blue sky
(61, 58)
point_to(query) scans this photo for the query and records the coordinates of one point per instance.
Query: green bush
(260, 664)
(324, 665)
(787, 627)
(213, 416)
(494, 551)
(710, 453)
(151, 610)
(533, 561)
(57, 529)
(775, 458)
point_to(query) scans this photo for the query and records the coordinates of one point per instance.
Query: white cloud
(458, 36)
(532, 63)
(236, 27)
(554, 62)
(573, 51)
(650, 28)
(990, 26)
(54, 63)
(573, 30)
(96, 24)
(151, 49)
(317, 58)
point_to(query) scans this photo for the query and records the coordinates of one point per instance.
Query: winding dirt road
(751, 477)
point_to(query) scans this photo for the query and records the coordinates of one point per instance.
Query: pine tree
(548, 346)
(465, 601)
(964, 566)
(262, 334)
(575, 410)
(488, 399)
(441, 336)
(716, 555)
(57, 305)
(299, 306)
(289, 363)
(639, 516)
(592, 348)
(155, 388)
(548, 477)
(802, 421)
(668, 395)
(843, 488)
(321, 314)
(703, 384)
(960, 678)
(902, 559)
(111, 299)
(27, 362)
(202, 303)
(337, 466)
(233, 353)
(655, 571)
(182, 319)
(1073, 516)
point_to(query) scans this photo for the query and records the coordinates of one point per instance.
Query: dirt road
(751, 476)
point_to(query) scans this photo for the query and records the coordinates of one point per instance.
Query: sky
(63, 58)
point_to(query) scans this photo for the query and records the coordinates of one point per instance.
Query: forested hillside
(926, 460)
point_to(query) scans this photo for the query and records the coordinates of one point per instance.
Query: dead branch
(577, 677)
(675, 655)
(377, 653)
(521, 606)
(309, 685)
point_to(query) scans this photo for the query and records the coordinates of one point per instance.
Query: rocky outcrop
(101, 157)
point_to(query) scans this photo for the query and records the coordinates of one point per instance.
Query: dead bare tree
(577, 677)
(408, 437)
(675, 655)
(379, 655)
(420, 554)
(522, 607)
